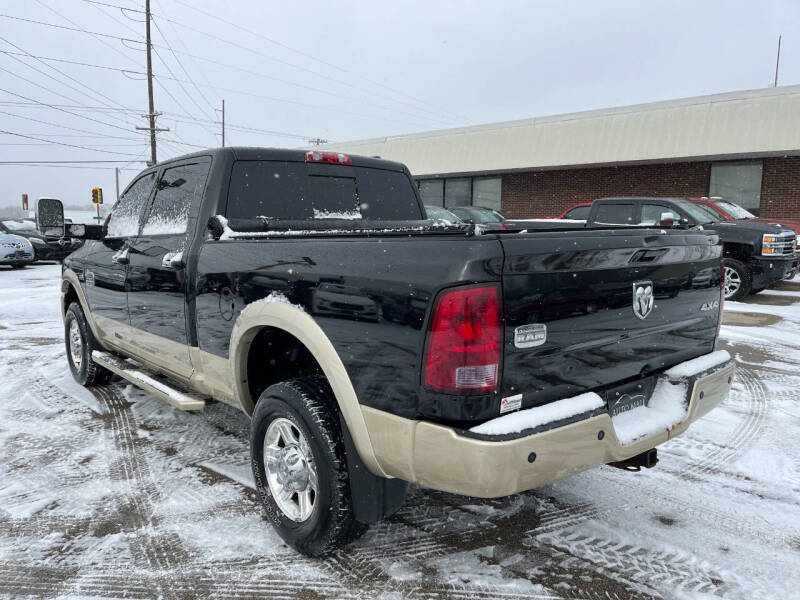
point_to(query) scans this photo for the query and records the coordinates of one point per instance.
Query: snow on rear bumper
(456, 461)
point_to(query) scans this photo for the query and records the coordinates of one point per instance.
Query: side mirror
(667, 219)
(84, 232)
(50, 217)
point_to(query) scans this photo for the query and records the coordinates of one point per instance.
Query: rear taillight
(336, 158)
(464, 339)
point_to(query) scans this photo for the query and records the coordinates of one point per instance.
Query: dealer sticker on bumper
(510, 403)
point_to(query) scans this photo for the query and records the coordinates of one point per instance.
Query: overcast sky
(349, 70)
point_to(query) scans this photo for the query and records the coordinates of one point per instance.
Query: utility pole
(151, 114)
(116, 180)
(151, 107)
(223, 122)
(777, 61)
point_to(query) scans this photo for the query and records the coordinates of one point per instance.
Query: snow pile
(699, 364)
(667, 408)
(328, 214)
(541, 415)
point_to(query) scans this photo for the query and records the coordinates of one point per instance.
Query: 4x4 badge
(642, 298)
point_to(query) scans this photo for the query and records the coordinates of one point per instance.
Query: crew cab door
(157, 269)
(105, 263)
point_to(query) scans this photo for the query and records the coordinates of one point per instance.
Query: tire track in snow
(658, 572)
(160, 552)
(743, 437)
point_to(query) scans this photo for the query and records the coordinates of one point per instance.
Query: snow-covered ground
(114, 493)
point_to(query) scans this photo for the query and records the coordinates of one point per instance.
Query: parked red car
(733, 212)
(579, 212)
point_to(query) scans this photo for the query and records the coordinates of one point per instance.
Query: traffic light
(24, 201)
(97, 195)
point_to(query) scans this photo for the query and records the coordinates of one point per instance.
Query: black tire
(754, 291)
(18, 266)
(745, 279)
(88, 373)
(309, 405)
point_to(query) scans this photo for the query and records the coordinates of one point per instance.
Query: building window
(458, 192)
(432, 191)
(462, 191)
(486, 192)
(738, 182)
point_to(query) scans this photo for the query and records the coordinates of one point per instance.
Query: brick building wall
(780, 188)
(549, 193)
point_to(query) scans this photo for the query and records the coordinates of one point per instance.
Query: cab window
(578, 213)
(177, 189)
(124, 219)
(652, 214)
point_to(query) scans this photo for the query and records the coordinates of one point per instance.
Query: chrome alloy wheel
(290, 469)
(732, 282)
(75, 344)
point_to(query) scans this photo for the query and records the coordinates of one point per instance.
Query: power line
(311, 57)
(62, 126)
(92, 33)
(57, 166)
(178, 117)
(53, 162)
(124, 39)
(72, 87)
(48, 143)
(248, 71)
(30, 137)
(394, 91)
(53, 106)
(180, 64)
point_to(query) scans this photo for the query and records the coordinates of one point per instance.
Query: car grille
(786, 243)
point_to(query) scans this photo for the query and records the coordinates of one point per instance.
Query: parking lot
(113, 493)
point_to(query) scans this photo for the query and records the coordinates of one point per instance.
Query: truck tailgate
(579, 315)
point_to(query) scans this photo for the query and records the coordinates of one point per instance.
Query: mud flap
(374, 498)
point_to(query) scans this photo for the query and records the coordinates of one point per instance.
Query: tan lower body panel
(437, 457)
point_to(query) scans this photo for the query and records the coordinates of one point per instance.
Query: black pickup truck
(373, 347)
(755, 254)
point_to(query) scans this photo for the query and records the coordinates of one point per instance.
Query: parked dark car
(732, 212)
(374, 348)
(478, 215)
(442, 215)
(756, 254)
(46, 247)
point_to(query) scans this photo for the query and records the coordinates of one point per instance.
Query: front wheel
(80, 343)
(738, 279)
(300, 467)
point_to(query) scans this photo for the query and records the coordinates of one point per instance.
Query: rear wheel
(80, 343)
(738, 279)
(300, 467)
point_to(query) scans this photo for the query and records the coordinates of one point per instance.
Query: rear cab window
(299, 191)
(617, 213)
